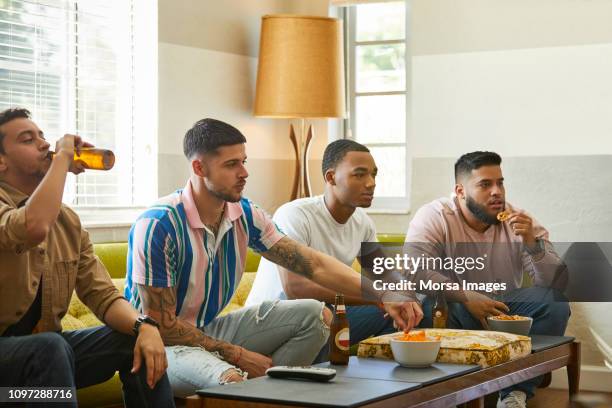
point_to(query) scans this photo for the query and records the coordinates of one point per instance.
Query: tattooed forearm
(160, 304)
(291, 255)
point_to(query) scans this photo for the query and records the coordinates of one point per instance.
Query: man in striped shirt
(187, 254)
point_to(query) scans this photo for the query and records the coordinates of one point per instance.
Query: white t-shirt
(308, 221)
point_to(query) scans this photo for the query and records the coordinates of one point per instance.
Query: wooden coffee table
(548, 353)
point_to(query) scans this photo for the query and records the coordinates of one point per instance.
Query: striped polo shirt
(169, 246)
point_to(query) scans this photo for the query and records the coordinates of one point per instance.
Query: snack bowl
(415, 353)
(510, 324)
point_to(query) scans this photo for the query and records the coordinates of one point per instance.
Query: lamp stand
(301, 179)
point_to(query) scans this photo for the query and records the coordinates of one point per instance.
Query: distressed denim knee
(264, 309)
(313, 321)
(193, 368)
(310, 332)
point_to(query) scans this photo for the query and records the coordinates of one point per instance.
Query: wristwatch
(537, 249)
(143, 319)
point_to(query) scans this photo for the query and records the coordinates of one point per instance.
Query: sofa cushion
(240, 297)
(252, 261)
(114, 257)
(69, 322)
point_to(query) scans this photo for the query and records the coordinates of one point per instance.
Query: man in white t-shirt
(335, 224)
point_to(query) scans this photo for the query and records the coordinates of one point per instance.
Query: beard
(222, 193)
(34, 172)
(230, 198)
(480, 211)
(226, 197)
(41, 173)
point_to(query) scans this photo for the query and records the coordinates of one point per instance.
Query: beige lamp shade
(348, 3)
(301, 68)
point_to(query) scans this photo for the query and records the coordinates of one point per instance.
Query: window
(80, 66)
(377, 63)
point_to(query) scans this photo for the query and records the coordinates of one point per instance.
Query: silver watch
(538, 249)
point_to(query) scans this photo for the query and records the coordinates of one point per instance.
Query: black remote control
(302, 373)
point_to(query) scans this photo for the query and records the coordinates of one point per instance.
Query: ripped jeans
(291, 332)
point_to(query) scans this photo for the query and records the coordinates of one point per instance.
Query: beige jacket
(63, 262)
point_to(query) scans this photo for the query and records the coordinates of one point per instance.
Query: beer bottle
(497, 294)
(93, 158)
(440, 311)
(339, 334)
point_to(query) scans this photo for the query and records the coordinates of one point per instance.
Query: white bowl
(521, 327)
(415, 353)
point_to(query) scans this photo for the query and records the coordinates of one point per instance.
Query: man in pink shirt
(466, 225)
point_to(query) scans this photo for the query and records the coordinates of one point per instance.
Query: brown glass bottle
(93, 158)
(439, 311)
(339, 340)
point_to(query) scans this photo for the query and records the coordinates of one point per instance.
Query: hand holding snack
(503, 216)
(521, 224)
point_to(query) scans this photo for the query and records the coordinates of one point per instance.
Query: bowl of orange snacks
(510, 324)
(415, 349)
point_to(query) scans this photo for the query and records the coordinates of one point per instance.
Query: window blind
(71, 63)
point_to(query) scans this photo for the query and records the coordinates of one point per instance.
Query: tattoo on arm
(160, 304)
(291, 255)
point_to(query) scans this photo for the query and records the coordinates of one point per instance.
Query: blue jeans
(364, 321)
(549, 317)
(367, 321)
(77, 359)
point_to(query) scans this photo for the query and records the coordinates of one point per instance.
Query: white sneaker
(516, 399)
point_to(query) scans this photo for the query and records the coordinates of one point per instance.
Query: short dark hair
(207, 135)
(9, 114)
(336, 150)
(474, 160)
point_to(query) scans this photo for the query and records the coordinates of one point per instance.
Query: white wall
(523, 102)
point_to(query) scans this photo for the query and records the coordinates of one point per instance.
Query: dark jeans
(364, 322)
(79, 359)
(549, 317)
